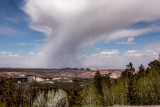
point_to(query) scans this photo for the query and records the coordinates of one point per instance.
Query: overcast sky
(79, 33)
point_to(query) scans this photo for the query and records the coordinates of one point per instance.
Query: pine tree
(141, 72)
(9, 93)
(130, 68)
(130, 78)
(98, 80)
(107, 94)
(74, 97)
(91, 96)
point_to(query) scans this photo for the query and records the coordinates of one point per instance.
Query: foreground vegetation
(131, 88)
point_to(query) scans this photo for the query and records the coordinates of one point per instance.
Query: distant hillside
(54, 73)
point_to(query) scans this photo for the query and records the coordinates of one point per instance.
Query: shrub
(51, 99)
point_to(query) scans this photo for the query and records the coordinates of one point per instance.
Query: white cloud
(129, 41)
(11, 59)
(31, 53)
(75, 25)
(41, 28)
(123, 33)
(91, 55)
(133, 53)
(9, 54)
(40, 54)
(27, 44)
(138, 53)
(109, 52)
(6, 53)
(106, 58)
(16, 55)
(116, 60)
(43, 40)
(105, 53)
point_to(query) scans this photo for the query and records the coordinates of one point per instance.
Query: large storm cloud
(71, 25)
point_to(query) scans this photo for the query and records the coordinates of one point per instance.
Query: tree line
(131, 88)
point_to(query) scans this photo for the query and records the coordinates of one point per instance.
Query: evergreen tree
(107, 94)
(106, 80)
(74, 97)
(155, 64)
(91, 96)
(9, 95)
(142, 71)
(120, 93)
(98, 79)
(130, 78)
(130, 68)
